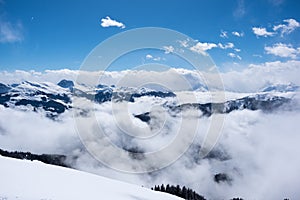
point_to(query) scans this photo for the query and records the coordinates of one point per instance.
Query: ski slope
(33, 180)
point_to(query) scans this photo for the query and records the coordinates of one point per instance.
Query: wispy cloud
(240, 10)
(238, 34)
(233, 55)
(276, 2)
(229, 45)
(168, 49)
(184, 43)
(289, 26)
(10, 33)
(108, 22)
(262, 32)
(257, 55)
(283, 50)
(223, 34)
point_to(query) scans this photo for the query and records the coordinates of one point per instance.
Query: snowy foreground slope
(27, 180)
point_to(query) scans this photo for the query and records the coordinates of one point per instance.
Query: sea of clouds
(259, 151)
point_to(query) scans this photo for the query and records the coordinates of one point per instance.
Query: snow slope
(27, 180)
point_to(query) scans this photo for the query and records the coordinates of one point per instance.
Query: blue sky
(52, 34)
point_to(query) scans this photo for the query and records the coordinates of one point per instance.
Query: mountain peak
(66, 84)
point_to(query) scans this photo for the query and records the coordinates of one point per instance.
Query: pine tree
(162, 188)
(178, 191)
(184, 193)
(168, 188)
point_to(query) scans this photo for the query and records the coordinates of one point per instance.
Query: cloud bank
(240, 81)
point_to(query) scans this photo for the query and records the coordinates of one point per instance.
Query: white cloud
(233, 55)
(148, 56)
(237, 50)
(223, 34)
(241, 34)
(108, 22)
(202, 47)
(229, 45)
(282, 50)
(10, 33)
(168, 49)
(287, 27)
(290, 26)
(262, 32)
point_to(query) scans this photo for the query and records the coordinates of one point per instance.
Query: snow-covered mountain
(27, 180)
(290, 87)
(42, 117)
(55, 99)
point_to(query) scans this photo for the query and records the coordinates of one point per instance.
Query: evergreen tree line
(185, 193)
(51, 159)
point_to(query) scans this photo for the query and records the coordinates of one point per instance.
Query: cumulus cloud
(148, 56)
(202, 47)
(223, 34)
(262, 32)
(10, 32)
(282, 50)
(289, 26)
(108, 22)
(238, 34)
